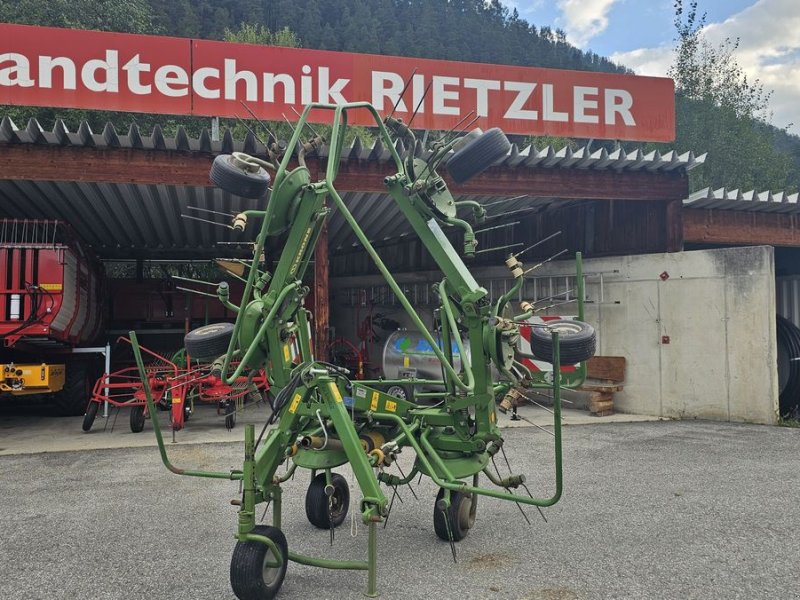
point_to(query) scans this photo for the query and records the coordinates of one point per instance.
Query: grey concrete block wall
(699, 341)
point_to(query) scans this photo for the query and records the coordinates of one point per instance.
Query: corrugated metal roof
(139, 219)
(724, 199)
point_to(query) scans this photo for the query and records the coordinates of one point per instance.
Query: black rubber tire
(458, 516)
(788, 357)
(234, 180)
(577, 341)
(247, 566)
(230, 414)
(208, 342)
(79, 379)
(91, 414)
(317, 501)
(137, 419)
(478, 155)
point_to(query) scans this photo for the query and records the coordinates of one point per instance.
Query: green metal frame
(452, 441)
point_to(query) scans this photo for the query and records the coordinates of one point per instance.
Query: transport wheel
(474, 157)
(404, 392)
(237, 174)
(91, 414)
(460, 516)
(137, 419)
(577, 341)
(79, 379)
(324, 511)
(208, 342)
(254, 574)
(230, 414)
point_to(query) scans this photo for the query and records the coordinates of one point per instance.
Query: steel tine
(537, 426)
(498, 248)
(260, 122)
(207, 221)
(496, 227)
(419, 104)
(503, 450)
(199, 293)
(540, 242)
(178, 277)
(547, 260)
(413, 493)
(391, 504)
(213, 212)
(307, 124)
(246, 126)
(504, 200)
(403, 92)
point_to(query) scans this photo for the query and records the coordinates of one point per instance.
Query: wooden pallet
(605, 375)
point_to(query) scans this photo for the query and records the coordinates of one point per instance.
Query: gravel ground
(650, 510)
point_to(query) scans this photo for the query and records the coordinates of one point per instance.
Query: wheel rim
(397, 391)
(565, 328)
(338, 506)
(269, 571)
(463, 513)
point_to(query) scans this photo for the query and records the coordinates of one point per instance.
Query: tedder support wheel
(208, 342)
(137, 419)
(237, 174)
(460, 517)
(254, 574)
(326, 511)
(577, 341)
(91, 414)
(230, 414)
(474, 157)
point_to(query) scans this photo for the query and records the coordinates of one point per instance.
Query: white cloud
(769, 51)
(584, 19)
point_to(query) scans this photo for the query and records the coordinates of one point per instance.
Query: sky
(640, 35)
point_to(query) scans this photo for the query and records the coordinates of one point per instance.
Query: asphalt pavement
(650, 510)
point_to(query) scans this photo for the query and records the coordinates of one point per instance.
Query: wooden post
(674, 224)
(321, 296)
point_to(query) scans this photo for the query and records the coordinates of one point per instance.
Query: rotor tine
(391, 504)
(207, 221)
(260, 122)
(255, 135)
(519, 506)
(419, 104)
(498, 248)
(450, 535)
(266, 507)
(537, 426)
(496, 227)
(402, 92)
(503, 450)
(213, 212)
(306, 123)
(540, 242)
(413, 493)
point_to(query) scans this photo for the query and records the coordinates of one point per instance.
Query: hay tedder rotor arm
(321, 419)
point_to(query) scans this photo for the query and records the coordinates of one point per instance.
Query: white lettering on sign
(515, 100)
(68, 75)
(101, 75)
(18, 74)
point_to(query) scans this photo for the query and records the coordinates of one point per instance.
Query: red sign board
(70, 68)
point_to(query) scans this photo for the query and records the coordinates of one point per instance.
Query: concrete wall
(699, 341)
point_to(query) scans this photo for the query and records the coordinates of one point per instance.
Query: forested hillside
(743, 150)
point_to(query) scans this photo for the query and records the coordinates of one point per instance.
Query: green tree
(719, 111)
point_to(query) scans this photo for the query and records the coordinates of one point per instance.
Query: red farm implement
(173, 387)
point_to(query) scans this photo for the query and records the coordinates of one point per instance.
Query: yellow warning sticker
(391, 406)
(492, 417)
(335, 392)
(295, 403)
(286, 355)
(52, 287)
(373, 405)
(406, 361)
(176, 399)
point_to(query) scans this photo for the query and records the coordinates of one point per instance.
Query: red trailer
(51, 302)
